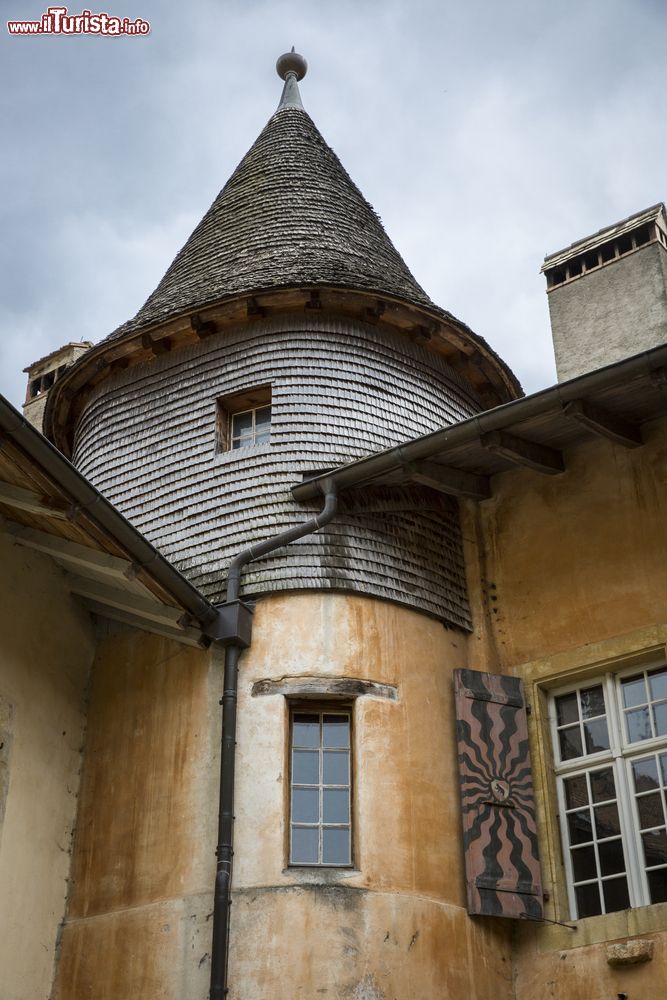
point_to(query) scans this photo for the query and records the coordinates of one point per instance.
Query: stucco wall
(143, 864)
(611, 313)
(568, 578)
(47, 649)
(392, 927)
(395, 926)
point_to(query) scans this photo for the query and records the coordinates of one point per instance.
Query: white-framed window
(320, 787)
(610, 749)
(244, 419)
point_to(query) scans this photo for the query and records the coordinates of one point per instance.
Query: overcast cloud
(485, 134)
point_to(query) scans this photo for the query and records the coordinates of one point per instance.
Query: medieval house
(333, 665)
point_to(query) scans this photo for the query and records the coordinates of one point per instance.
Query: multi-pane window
(320, 788)
(244, 419)
(610, 741)
(251, 427)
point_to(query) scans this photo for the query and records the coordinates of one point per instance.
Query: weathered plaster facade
(142, 866)
(43, 685)
(142, 869)
(569, 575)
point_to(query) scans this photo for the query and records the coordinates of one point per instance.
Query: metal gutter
(86, 498)
(235, 644)
(499, 418)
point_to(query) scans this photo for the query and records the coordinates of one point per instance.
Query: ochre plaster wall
(47, 650)
(395, 927)
(568, 576)
(143, 864)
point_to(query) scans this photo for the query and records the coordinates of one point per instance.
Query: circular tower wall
(149, 439)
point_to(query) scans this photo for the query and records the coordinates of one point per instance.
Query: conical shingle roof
(289, 216)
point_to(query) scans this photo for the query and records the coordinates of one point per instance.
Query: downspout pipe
(224, 853)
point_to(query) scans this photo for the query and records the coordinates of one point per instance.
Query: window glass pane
(567, 709)
(242, 423)
(306, 731)
(663, 767)
(584, 864)
(305, 767)
(336, 731)
(611, 857)
(588, 900)
(607, 823)
(646, 774)
(576, 791)
(639, 727)
(597, 737)
(304, 845)
(336, 807)
(634, 691)
(570, 743)
(263, 435)
(616, 894)
(335, 846)
(657, 883)
(602, 785)
(657, 682)
(305, 805)
(263, 417)
(650, 811)
(592, 702)
(336, 769)
(580, 827)
(660, 718)
(655, 848)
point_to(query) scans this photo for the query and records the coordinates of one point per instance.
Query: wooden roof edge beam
(447, 479)
(604, 423)
(519, 451)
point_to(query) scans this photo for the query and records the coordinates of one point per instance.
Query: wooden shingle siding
(147, 440)
(498, 811)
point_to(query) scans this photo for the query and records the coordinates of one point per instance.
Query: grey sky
(485, 134)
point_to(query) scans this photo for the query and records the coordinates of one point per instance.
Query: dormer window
(244, 419)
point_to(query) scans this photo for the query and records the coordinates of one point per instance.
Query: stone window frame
(618, 758)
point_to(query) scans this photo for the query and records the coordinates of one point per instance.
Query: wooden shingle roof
(290, 215)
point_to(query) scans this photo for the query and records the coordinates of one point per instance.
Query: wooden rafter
(519, 451)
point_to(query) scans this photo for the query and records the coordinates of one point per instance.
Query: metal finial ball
(291, 62)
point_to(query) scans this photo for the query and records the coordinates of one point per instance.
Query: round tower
(286, 338)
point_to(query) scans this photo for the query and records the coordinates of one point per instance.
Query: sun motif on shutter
(498, 811)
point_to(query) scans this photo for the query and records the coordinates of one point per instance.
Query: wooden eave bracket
(446, 479)
(604, 423)
(203, 328)
(156, 347)
(519, 451)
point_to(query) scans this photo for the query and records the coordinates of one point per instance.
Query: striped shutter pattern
(498, 811)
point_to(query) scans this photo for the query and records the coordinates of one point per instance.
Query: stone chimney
(43, 373)
(608, 294)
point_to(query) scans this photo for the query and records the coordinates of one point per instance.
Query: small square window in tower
(244, 419)
(320, 788)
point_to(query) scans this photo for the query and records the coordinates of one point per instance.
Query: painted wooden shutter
(499, 831)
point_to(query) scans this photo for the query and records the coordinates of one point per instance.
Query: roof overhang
(534, 432)
(47, 506)
(435, 329)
